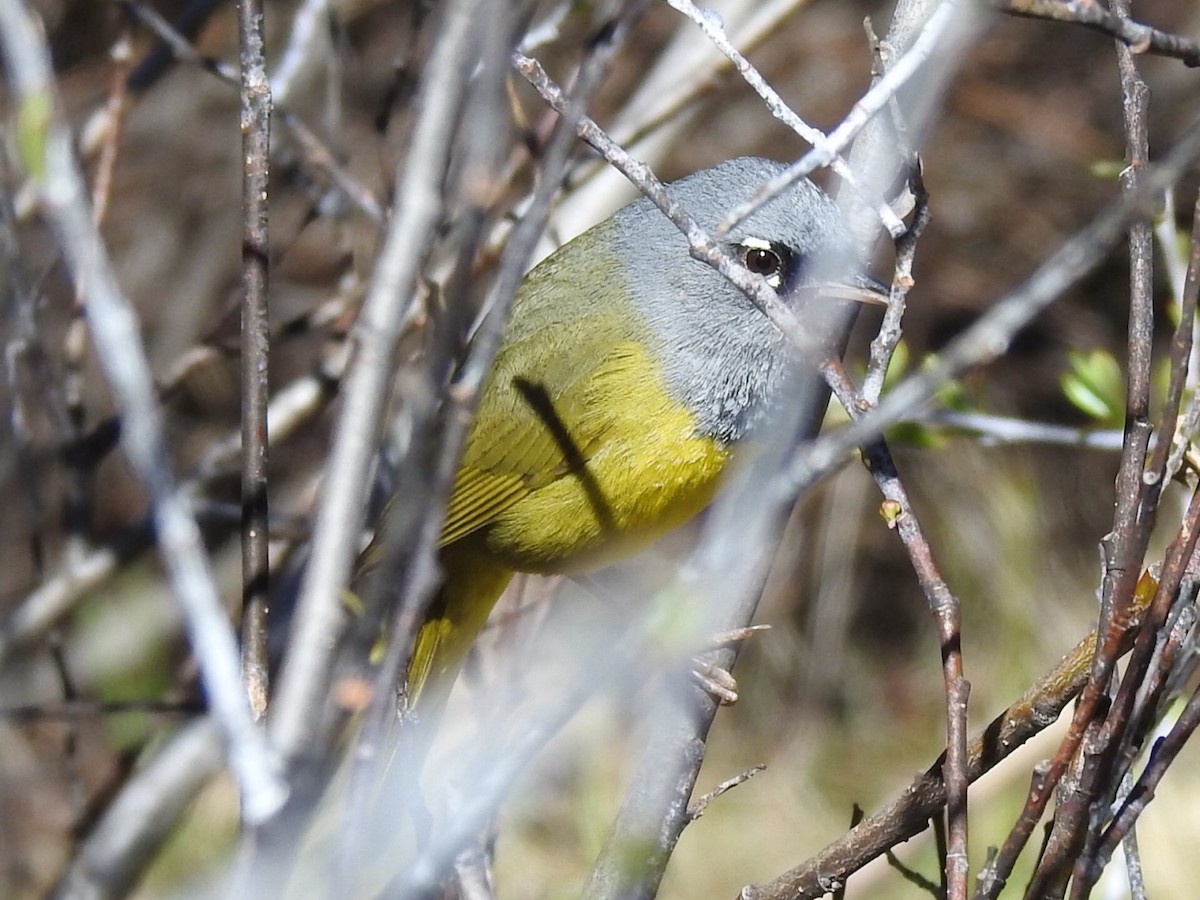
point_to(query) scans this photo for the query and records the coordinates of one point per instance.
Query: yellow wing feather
(512, 449)
(478, 497)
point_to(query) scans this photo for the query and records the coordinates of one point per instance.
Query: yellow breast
(626, 466)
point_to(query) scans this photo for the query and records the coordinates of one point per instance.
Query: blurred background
(842, 699)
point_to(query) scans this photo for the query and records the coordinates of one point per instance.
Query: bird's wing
(534, 425)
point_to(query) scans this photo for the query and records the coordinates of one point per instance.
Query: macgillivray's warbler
(627, 376)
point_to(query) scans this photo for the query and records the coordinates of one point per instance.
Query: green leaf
(1107, 169)
(916, 435)
(897, 365)
(950, 394)
(33, 124)
(1095, 386)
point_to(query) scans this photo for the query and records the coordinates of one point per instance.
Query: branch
(256, 346)
(711, 26)
(654, 813)
(991, 430)
(389, 305)
(909, 814)
(317, 153)
(932, 36)
(292, 407)
(990, 336)
(115, 853)
(404, 580)
(1138, 37)
(50, 164)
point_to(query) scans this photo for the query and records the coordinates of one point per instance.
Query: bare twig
(494, 764)
(299, 52)
(51, 166)
(990, 336)
(947, 612)
(909, 814)
(1145, 679)
(688, 71)
(114, 854)
(986, 339)
(715, 32)
(318, 155)
(701, 245)
(655, 797)
(113, 118)
(292, 406)
(991, 430)
(1161, 757)
(1138, 37)
(404, 574)
(1136, 499)
(78, 511)
(389, 305)
(699, 806)
(653, 809)
(887, 339)
(256, 345)
(942, 601)
(949, 15)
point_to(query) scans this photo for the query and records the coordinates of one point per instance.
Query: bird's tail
(473, 583)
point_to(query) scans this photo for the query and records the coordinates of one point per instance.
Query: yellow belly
(626, 498)
(646, 472)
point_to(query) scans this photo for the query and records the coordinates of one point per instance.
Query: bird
(628, 377)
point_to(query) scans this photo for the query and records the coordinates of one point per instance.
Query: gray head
(721, 356)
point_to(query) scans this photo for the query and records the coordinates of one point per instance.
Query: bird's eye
(771, 261)
(762, 261)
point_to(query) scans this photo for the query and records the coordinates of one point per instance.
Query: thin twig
(700, 805)
(887, 339)
(114, 118)
(909, 814)
(299, 51)
(304, 681)
(947, 612)
(931, 37)
(991, 335)
(991, 430)
(407, 539)
(656, 798)
(1137, 498)
(683, 77)
(495, 762)
(1173, 572)
(1163, 754)
(983, 341)
(256, 346)
(114, 854)
(685, 74)
(50, 164)
(1145, 679)
(701, 246)
(715, 32)
(318, 154)
(293, 406)
(1138, 37)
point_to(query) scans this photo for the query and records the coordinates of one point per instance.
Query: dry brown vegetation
(845, 698)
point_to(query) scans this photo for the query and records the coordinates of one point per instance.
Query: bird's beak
(860, 288)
